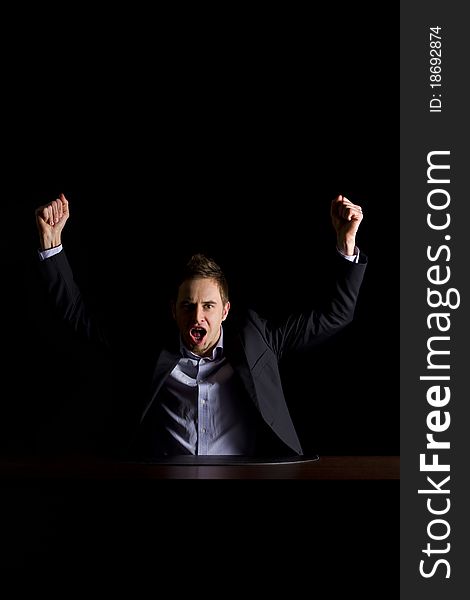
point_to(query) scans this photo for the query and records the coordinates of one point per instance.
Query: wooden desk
(326, 468)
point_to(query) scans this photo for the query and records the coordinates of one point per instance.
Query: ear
(225, 311)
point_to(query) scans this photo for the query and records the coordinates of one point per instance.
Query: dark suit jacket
(252, 345)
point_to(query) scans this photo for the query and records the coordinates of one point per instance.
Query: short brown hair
(204, 267)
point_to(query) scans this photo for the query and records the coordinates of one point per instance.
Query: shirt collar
(217, 352)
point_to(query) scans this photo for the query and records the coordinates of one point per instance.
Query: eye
(208, 306)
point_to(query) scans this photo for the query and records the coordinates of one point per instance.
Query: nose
(199, 314)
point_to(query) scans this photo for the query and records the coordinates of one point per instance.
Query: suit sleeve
(68, 300)
(310, 328)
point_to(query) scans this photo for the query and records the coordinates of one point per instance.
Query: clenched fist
(346, 218)
(50, 220)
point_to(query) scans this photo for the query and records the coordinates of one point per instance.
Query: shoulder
(245, 318)
(246, 325)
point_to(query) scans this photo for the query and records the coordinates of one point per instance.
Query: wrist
(48, 242)
(347, 246)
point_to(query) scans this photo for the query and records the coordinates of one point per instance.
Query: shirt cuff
(353, 258)
(43, 254)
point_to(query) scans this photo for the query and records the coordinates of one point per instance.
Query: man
(217, 389)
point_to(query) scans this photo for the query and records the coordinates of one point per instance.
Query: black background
(232, 141)
(226, 133)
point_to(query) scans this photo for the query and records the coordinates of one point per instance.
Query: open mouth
(197, 335)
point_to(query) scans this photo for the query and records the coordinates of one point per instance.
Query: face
(199, 312)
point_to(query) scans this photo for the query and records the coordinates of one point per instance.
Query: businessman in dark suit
(217, 389)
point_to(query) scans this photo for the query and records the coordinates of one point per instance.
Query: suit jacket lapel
(235, 353)
(166, 362)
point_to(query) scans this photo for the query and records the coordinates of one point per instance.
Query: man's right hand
(50, 220)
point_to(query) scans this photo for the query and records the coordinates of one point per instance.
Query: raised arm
(50, 221)
(300, 331)
(58, 276)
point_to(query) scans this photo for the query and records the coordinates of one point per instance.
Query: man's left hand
(346, 218)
